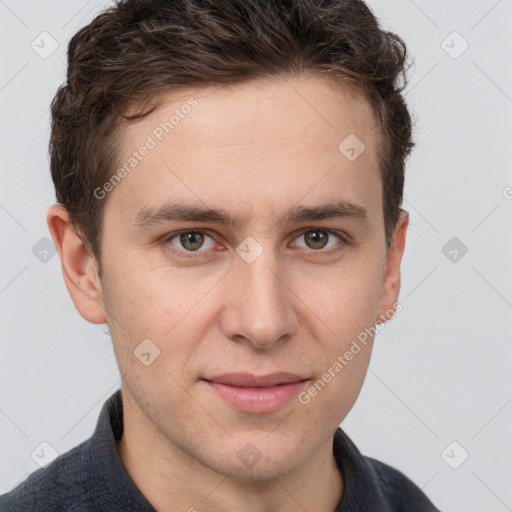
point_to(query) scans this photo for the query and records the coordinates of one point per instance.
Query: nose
(259, 305)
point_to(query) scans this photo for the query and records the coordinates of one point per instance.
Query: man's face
(258, 297)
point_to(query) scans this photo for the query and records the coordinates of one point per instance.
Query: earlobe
(391, 282)
(79, 266)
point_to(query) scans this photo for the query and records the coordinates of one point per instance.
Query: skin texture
(255, 150)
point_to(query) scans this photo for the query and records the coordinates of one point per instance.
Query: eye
(318, 239)
(191, 241)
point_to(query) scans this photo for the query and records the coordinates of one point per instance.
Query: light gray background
(440, 371)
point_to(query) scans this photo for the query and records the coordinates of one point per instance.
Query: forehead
(308, 106)
(268, 139)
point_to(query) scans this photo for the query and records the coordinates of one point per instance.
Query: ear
(391, 281)
(79, 266)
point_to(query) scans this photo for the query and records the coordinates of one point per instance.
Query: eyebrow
(180, 212)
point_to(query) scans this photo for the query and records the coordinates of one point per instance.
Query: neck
(170, 479)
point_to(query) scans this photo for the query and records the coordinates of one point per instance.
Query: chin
(259, 460)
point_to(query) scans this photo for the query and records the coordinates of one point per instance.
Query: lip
(257, 394)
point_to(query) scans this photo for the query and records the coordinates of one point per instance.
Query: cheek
(152, 336)
(164, 307)
(332, 395)
(147, 298)
(346, 300)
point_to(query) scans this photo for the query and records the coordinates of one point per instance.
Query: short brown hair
(138, 49)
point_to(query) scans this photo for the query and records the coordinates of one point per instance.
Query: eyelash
(197, 254)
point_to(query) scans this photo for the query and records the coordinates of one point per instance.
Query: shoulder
(57, 487)
(372, 485)
(397, 489)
